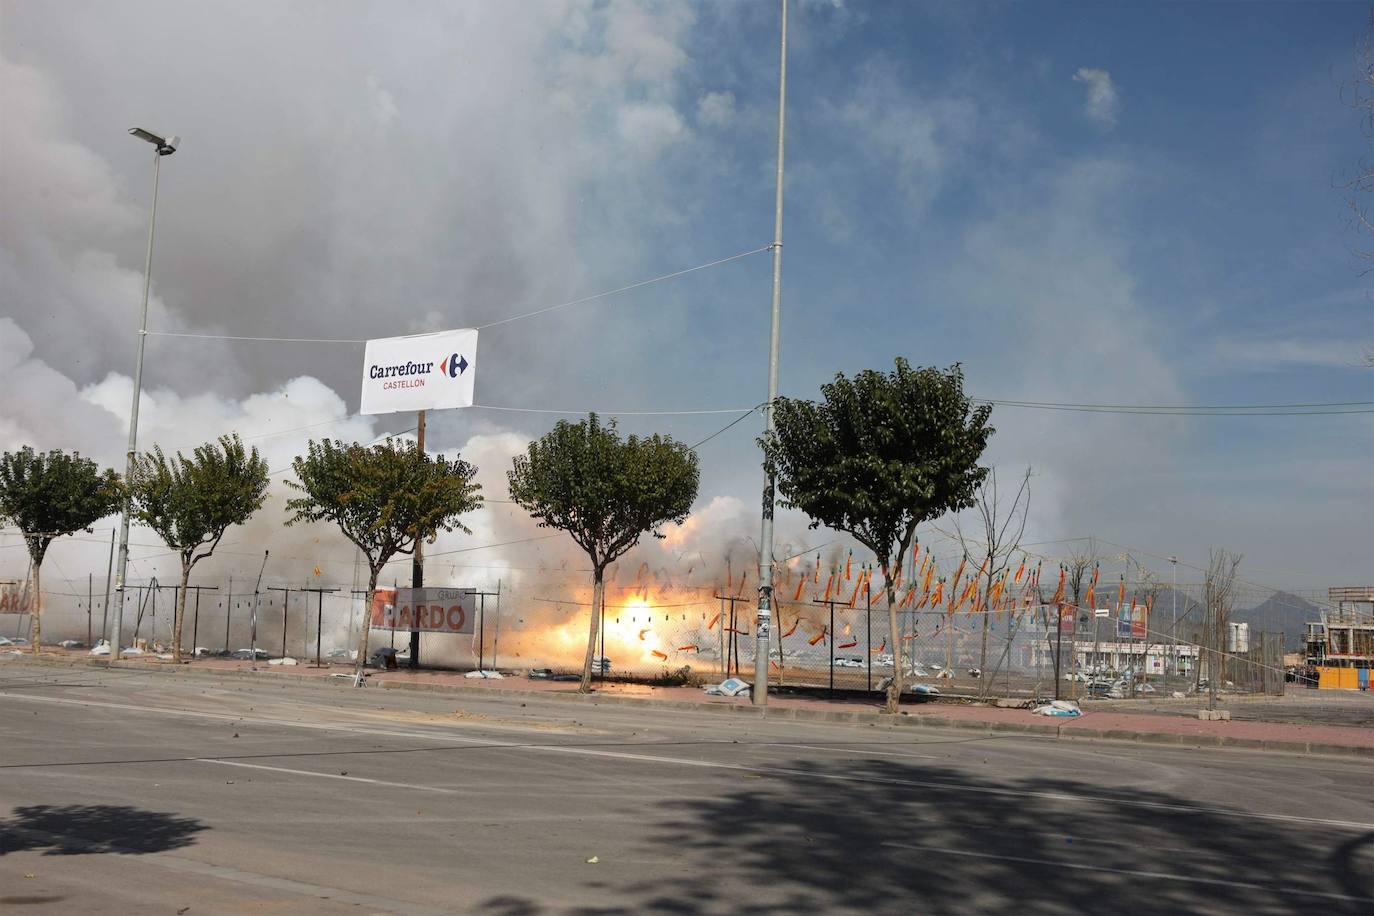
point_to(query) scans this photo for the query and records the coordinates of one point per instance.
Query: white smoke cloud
(1102, 103)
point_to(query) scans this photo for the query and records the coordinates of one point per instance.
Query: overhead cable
(480, 327)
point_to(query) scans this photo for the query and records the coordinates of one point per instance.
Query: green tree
(882, 453)
(191, 502)
(384, 498)
(48, 494)
(606, 492)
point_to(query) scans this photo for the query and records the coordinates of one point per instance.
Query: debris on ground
(72, 644)
(925, 691)
(384, 657)
(592, 861)
(101, 648)
(730, 687)
(284, 660)
(540, 674)
(250, 653)
(1065, 708)
(492, 675)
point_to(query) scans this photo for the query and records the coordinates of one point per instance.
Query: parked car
(848, 661)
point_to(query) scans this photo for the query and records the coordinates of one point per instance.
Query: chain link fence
(695, 635)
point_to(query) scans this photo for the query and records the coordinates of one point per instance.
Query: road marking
(1133, 873)
(594, 751)
(375, 782)
(848, 750)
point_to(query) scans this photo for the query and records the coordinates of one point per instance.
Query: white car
(848, 661)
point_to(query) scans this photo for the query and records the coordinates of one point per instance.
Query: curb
(1070, 732)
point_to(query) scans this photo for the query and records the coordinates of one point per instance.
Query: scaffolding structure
(1343, 640)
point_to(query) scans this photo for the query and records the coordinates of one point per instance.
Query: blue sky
(1103, 203)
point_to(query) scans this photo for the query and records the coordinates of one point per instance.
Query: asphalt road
(124, 792)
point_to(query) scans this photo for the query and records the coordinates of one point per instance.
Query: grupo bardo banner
(434, 610)
(420, 372)
(15, 599)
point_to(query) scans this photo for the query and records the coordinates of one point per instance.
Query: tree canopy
(384, 498)
(49, 494)
(881, 453)
(604, 491)
(191, 502)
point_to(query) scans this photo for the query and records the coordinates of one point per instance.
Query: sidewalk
(1112, 725)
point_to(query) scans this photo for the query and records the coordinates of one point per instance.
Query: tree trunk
(983, 652)
(598, 595)
(179, 613)
(365, 628)
(894, 690)
(36, 618)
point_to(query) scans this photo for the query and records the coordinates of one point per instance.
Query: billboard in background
(433, 610)
(420, 372)
(15, 599)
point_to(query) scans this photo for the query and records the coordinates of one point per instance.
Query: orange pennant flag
(714, 621)
(818, 637)
(1020, 570)
(658, 654)
(801, 583)
(829, 586)
(848, 566)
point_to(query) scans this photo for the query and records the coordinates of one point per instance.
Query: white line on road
(1133, 873)
(588, 751)
(375, 782)
(849, 750)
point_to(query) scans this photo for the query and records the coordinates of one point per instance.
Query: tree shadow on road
(894, 837)
(83, 829)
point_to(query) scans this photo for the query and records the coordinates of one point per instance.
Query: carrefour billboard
(420, 372)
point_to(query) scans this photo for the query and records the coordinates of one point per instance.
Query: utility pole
(482, 626)
(285, 605)
(109, 571)
(195, 625)
(1173, 622)
(90, 598)
(319, 620)
(762, 634)
(253, 623)
(417, 560)
(228, 612)
(732, 643)
(830, 637)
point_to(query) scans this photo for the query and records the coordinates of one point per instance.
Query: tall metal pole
(417, 560)
(759, 695)
(115, 636)
(109, 570)
(1173, 621)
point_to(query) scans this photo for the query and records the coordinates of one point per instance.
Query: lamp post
(162, 146)
(763, 624)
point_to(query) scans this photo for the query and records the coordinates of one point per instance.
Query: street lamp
(162, 146)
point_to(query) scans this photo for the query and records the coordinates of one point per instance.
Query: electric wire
(480, 327)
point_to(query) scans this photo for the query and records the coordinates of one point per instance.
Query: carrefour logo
(454, 365)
